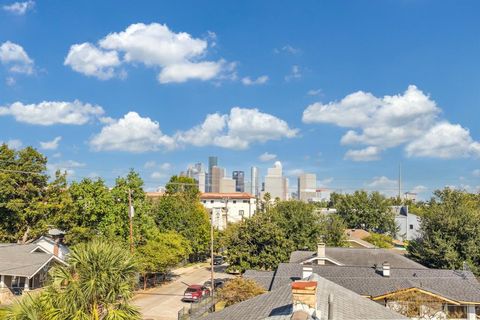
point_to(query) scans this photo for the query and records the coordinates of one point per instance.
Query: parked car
(195, 292)
(218, 260)
(218, 283)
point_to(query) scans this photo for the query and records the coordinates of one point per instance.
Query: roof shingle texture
(277, 305)
(16, 259)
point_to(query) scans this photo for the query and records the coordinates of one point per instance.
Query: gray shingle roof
(263, 278)
(366, 281)
(277, 305)
(359, 257)
(17, 259)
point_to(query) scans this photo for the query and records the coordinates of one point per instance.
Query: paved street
(163, 302)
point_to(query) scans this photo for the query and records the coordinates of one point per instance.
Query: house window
(411, 227)
(234, 201)
(211, 201)
(457, 312)
(241, 212)
(245, 201)
(204, 201)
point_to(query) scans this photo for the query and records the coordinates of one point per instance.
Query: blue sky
(345, 89)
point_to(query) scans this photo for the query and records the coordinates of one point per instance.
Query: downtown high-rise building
(212, 162)
(239, 177)
(215, 176)
(307, 187)
(275, 183)
(254, 186)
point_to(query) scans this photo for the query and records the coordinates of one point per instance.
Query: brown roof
(357, 233)
(235, 195)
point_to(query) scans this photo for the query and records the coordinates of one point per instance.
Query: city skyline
(344, 98)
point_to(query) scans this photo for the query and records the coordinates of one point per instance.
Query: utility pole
(212, 275)
(130, 217)
(400, 182)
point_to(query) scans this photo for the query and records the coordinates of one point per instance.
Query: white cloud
(153, 164)
(91, 61)
(410, 119)
(178, 56)
(476, 173)
(157, 175)
(14, 57)
(288, 49)
(367, 154)
(294, 74)
(132, 133)
(19, 8)
(444, 140)
(260, 80)
(384, 185)
(51, 145)
(13, 143)
(237, 130)
(294, 172)
(265, 157)
(52, 112)
(314, 92)
(10, 81)
(324, 182)
(64, 166)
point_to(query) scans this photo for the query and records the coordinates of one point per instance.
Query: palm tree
(97, 284)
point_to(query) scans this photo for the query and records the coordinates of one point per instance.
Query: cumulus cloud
(288, 49)
(444, 140)
(179, 57)
(13, 143)
(314, 92)
(419, 189)
(52, 112)
(15, 58)
(410, 119)
(384, 185)
(265, 157)
(237, 130)
(153, 164)
(51, 145)
(19, 8)
(250, 82)
(132, 133)
(91, 61)
(367, 154)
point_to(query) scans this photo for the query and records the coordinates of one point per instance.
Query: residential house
(408, 223)
(311, 298)
(389, 279)
(229, 207)
(24, 267)
(355, 238)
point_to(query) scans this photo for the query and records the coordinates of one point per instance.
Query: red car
(195, 292)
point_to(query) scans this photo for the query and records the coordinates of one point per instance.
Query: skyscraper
(275, 184)
(239, 177)
(307, 187)
(212, 162)
(254, 187)
(216, 175)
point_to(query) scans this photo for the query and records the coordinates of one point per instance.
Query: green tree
(23, 181)
(362, 210)
(161, 253)
(257, 243)
(238, 290)
(332, 230)
(380, 240)
(449, 232)
(180, 210)
(97, 284)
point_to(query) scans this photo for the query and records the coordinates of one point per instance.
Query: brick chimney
(321, 253)
(56, 247)
(386, 269)
(305, 293)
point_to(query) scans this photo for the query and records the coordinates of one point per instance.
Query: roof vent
(306, 272)
(386, 269)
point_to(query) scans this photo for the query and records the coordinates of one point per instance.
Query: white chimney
(306, 272)
(321, 253)
(386, 269)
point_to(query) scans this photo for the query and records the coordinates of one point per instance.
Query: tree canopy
(449, 231)
(238, 290)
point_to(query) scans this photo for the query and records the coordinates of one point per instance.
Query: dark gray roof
(277, 304)
(359, 257)
(18, 260)
(366, 281)
(263, 278)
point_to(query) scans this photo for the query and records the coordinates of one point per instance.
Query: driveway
(163, 302)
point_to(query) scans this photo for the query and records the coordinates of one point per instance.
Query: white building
(229, 207)
(408, 223)
(254, 186)
(307, 187)
(275, 183)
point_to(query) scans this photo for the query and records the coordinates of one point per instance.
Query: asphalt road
(164, 302)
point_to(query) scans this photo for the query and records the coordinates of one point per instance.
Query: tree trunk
(25, 235)
(145, 282)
